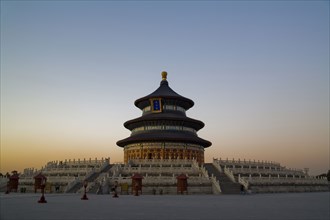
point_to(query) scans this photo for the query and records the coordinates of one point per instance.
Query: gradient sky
(258, 72)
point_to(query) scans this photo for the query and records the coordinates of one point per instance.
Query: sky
(258, 72)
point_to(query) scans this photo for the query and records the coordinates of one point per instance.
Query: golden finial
(164, 75)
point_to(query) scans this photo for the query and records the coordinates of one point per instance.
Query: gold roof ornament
(164, 75)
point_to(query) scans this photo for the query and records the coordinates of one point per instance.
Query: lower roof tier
(164, 137)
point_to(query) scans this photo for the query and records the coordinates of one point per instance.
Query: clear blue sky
(258, 72)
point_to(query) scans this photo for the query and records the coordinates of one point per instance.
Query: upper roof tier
(164, 91)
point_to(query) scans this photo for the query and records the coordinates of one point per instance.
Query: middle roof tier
(166, 119)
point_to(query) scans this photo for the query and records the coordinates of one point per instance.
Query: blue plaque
(156, 105)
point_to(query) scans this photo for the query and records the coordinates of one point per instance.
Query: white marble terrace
(261, 174)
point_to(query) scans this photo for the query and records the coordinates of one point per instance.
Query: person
(114, 189)
(242, 189)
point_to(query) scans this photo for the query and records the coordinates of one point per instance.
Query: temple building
(164, 155)
(164, 131)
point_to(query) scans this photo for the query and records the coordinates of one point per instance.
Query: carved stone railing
(116, 169)
(65, 171)
(81, 167)
(243, 162)
(195, 164)
(230, 174)
(76, 163)
(60, 179)
(244, 182)
(266, 172)
(204, 171)
(160, 161)
(285, 181)
(215, 185)
(217, 165)
(158, 170)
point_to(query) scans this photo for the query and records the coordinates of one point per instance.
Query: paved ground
(291, 206)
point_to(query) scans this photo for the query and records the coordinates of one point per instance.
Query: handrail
(244, 182)
(204, 171)
(247, 162)
(265, 171)
(217, 166)
(215, 185)
(230, 174)
(281, 180)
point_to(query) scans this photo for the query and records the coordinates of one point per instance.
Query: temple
(164, 131)
(164, 155)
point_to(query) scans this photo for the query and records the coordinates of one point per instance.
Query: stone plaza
(300, 206)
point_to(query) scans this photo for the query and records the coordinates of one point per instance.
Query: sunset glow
(257, 71)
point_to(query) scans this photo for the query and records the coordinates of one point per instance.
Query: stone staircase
(94, 188)
(227, 186)
(106, 169)
(75, 188)
(91, 178)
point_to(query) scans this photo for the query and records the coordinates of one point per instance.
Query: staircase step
(226, 184)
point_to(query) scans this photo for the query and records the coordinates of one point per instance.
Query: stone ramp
(227, 186)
